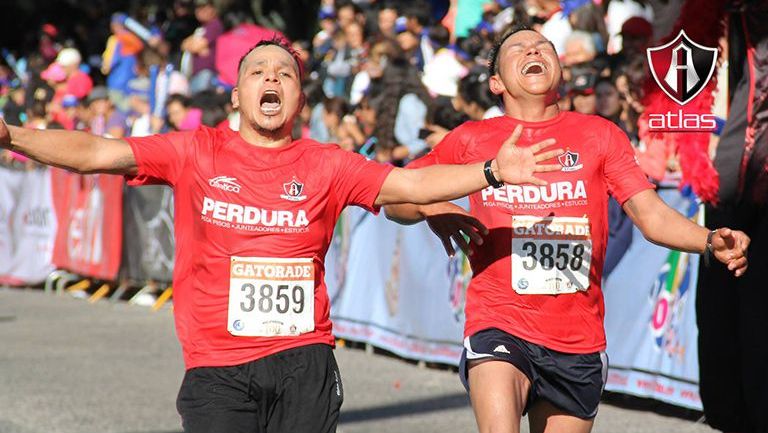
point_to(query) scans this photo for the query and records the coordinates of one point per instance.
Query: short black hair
(493, 55)
(278, 42)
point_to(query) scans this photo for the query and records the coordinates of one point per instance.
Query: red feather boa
(703, 22)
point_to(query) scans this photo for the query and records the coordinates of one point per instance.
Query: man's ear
(495, 84)
(302, 101)
(235, 99)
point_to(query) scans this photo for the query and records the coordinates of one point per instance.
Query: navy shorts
(571, 382)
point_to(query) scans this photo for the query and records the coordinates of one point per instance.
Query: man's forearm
(71, 150)
(432, 184)
(665, 226)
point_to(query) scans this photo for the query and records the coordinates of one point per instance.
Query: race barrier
(390, 286)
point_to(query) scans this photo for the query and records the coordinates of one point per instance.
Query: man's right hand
(517, 165)
(451, 222)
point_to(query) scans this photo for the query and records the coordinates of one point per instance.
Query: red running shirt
(599, 161)
(233, 199)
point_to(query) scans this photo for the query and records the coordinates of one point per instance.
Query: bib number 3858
(550, 255)
(271, 297)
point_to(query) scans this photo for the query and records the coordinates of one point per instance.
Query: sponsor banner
(10, 185)
(148, 246)
(650, 319)
(89, 235)
(33, 229)
(400, 291)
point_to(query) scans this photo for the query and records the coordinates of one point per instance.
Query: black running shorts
(571, 382)
(297, 390)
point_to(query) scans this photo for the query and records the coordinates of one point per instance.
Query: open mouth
(534, 68)
(270, 102)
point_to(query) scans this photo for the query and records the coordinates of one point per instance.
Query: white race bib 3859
(550, 255)
(271, 297)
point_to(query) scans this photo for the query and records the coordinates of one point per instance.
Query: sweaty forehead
(270, 53)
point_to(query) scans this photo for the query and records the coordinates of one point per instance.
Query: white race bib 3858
(271, 297)
(550, 255)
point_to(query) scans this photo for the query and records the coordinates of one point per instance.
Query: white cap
(68, 57)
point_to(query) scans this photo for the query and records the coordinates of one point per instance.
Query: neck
(532, 108)
(263, 138)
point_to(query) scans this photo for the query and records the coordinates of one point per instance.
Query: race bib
(550, 255)
(271, 297)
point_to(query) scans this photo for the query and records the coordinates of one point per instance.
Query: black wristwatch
(492, 181)
(708, 252)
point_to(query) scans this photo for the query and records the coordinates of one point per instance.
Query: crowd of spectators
(384, 78)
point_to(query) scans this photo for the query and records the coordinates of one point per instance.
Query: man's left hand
(730, 247)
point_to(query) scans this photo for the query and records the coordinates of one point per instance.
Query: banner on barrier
(148, 247)
(400, 291)
(89, 235)
(650, 319)
(27, 226)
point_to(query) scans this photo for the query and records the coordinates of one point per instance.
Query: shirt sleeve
(622, 172)
(359, 180)
(449, 151)
(159, 158)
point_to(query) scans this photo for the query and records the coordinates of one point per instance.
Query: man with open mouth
(254, 215)
(534, 338)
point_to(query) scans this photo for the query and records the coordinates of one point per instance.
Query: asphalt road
(72, 367)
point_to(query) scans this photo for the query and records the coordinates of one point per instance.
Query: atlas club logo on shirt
(293, 190)
(225, 183)
(682, 68)
(570, 161)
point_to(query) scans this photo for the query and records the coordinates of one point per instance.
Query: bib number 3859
(271, 297)
(550, 255)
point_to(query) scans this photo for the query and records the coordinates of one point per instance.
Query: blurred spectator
(402, 113)
(589, 18)
(441, 119)
(417, 21)
(48, 47)
(119, 60)
(180, 24)
(475, 99)
(386, 19)
(344, 60)
(200, 47)
(608, 104)
(104, 118)
(618, 12)
(348, 12)
(583, 92)
(579, 48)
(637, 34)
(556, 26)
(181, 115)
(372, 68)
(78, 83)
(443, 71)
(326, 122)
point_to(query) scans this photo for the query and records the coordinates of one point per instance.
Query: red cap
(637, 26)
(50, 30)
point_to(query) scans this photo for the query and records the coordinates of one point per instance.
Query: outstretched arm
(512, 165)
(665, 226)
(72, 150)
